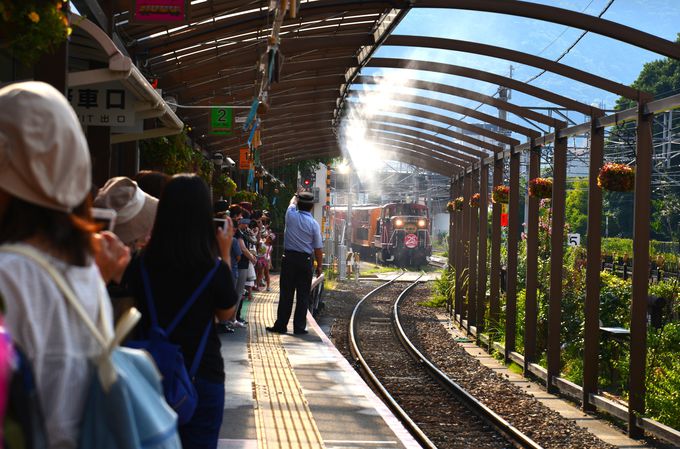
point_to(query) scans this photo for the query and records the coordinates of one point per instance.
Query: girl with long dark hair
(183, 248)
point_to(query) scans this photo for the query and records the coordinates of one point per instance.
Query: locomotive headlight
(399, 222)
(421, 223)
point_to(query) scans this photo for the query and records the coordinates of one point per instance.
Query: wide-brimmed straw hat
(136, 210)
(44, 158)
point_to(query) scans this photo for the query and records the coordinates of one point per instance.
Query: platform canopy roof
(216, 58)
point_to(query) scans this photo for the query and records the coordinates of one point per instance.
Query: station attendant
(301, 244)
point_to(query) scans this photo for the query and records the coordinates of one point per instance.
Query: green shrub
(663, 375)
(443, 289)
(615, 298)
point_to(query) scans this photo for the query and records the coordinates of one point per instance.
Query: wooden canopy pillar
(638, 315)
(483, 232)
(452, 244)
(460, 249)
(531, 303)
(465, 247)
(472, 258)
(556, 258)
(591, 341)
(495, 276)
(513, 234)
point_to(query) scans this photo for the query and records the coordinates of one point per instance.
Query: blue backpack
(178, 385)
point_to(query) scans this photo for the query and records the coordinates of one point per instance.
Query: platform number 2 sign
(574, 239)
(222, 121)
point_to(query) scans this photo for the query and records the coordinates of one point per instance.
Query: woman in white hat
(135, 210)
(44, 181)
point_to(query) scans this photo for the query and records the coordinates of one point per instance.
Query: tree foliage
(577, 206)
(660, 78)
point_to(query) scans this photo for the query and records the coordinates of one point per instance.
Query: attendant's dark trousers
(295, 280)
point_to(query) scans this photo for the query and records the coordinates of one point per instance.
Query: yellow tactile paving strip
(282, 415)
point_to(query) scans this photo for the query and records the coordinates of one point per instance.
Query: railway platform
(297, 391)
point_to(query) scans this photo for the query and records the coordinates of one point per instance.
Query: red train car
(397, 233)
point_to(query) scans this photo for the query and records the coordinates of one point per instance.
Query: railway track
(438, 412)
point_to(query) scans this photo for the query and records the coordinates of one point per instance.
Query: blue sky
(600, 55)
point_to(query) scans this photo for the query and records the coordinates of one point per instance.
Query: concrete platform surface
(298, 391)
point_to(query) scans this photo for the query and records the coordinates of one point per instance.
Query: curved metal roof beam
(210, 66)
(211, 31)
(453, 107)
(425, 141)
(285, 130)
(285, 124)
(564, 17)
(521, 111)
(438, 130)
(427, 115)
(432, 151)
(481, 75)
(440, 147)
(325, 124)
(522, 58)
(426, 150)
(422, 154)
(292, 70)
(410, 111)
(453, 149)
(440, 167)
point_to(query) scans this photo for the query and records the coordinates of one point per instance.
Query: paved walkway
(291, 391)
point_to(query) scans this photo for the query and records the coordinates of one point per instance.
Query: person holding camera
(301, 240)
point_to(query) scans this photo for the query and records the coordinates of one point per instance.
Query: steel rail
(514, 435)
(411, 426)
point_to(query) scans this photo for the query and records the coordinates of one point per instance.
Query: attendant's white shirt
(53, 337)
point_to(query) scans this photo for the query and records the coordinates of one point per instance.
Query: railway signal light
(307, 179)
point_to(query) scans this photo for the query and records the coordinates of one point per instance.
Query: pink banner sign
(173, 11)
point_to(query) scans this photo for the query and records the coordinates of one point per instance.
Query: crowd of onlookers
(168, 242)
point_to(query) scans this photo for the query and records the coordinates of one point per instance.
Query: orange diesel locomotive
(397, 233)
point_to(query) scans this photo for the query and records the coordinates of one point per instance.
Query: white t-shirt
(53, 337)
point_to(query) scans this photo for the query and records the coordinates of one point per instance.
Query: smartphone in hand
(104, 217)
(220, 223)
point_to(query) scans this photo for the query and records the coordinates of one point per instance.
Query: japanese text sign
(107, 104)
(172, 11)
(244, 159)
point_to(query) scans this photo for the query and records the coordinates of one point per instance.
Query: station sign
(222, 121)
(574, 239)
(244, 159)
(103, 104)
(160, 11)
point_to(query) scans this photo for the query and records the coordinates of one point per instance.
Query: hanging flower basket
(450, 207)
(540, 188)
(474, 201)
(501, 194)
(616, 177)
(458, 203)
(32, 28)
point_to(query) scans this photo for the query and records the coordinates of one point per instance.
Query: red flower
(540, 187)
(616, 177)
(501, 194)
